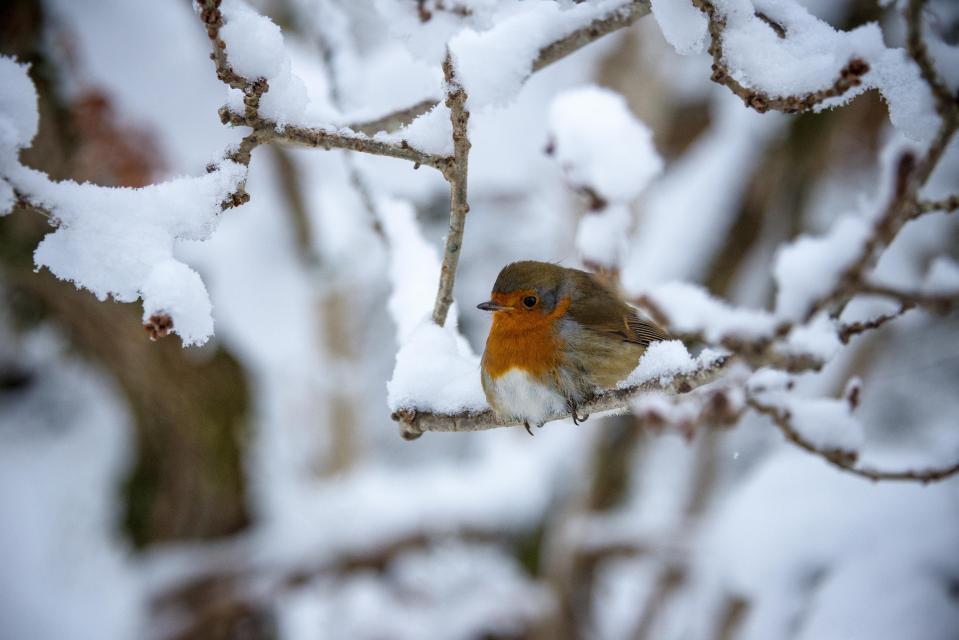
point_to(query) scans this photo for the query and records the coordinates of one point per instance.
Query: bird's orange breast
(525, 340)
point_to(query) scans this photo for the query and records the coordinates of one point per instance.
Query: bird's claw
(530, 431)
(574, 413)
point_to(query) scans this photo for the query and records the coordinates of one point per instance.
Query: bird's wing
(640, 330)
(603, 312)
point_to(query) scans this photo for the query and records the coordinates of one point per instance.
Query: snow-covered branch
(253, 88)
(414, 423)
(756, 97)
(842, 458)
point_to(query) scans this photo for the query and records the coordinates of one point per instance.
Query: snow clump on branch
(121, 241)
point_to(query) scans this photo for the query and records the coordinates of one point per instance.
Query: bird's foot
(530, 431)
(573, 409)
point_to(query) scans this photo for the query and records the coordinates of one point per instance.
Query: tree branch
(213, 19)
(849, 76)
(851, 329)
(414, 423)
(395, 120)
(845, 460)
(326, 139)
(947, 205)
(617, 19)
(909, 299)
(455, 174)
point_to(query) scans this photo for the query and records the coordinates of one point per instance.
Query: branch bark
(948, 204)
(615, 20)
(456, 174)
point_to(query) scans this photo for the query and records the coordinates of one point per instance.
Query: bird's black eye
(529, 302)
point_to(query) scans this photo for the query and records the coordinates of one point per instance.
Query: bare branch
(851, 329)
(396, 120)
(268, 130)
(849, 76)
(414, 423)
(947, 205)
(937, 303)
(455, 174)
(213, 19)
(843, 459)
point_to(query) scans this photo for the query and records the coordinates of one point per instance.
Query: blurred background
(257, 488)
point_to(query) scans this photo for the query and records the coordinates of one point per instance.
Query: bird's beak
(489, 305)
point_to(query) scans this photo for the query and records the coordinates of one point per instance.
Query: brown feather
(599, 309)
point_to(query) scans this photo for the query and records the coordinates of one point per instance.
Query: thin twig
(456, 175)
(937, 303)
(395, 120)
(851, 329)
(946, 205)
(24, 202)
(849, 76)
(414, 423)
(213, 19)
(844, 460)
(327, 139)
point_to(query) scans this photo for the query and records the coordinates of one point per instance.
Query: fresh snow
(599, 144)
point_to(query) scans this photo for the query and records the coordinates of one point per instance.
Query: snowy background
(243, 478)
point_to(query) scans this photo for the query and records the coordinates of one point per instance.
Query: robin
(558, 334)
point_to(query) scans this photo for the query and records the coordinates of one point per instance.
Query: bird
(558, 335)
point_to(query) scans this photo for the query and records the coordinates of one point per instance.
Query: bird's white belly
(520, 396)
